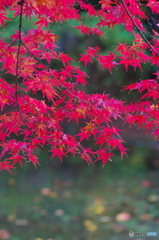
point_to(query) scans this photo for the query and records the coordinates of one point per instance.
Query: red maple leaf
(85, 58)
(104, 155)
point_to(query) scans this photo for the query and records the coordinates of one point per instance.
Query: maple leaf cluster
(27, 122)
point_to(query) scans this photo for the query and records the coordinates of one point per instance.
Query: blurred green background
(77, 202)
(72, 201)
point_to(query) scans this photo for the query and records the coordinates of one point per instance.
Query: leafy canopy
(27, 122)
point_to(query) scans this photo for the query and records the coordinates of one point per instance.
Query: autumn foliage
(27, 122)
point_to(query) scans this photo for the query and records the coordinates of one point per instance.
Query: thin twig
(17, 67)
(8, 22)
(47, 68)
(8, 47)
(140, 32)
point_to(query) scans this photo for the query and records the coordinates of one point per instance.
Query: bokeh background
(74, 201)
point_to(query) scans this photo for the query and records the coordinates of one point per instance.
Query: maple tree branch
(140, 32)
(47, 68)
(14, 40)
(9, 47)
(17, 67)
(8, 22)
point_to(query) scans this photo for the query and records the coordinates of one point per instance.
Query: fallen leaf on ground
(59, 212)
(90, 226)
(45, 191)
(123, 216)
(21, 222)
(53, 194)
(146, 184)
(11, 218)
(105, 219)
(4, 234)
(153, 198)
(145, 217)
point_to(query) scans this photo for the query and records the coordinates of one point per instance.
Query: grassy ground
(78, 203)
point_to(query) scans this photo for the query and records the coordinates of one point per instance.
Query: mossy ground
(78, 203)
